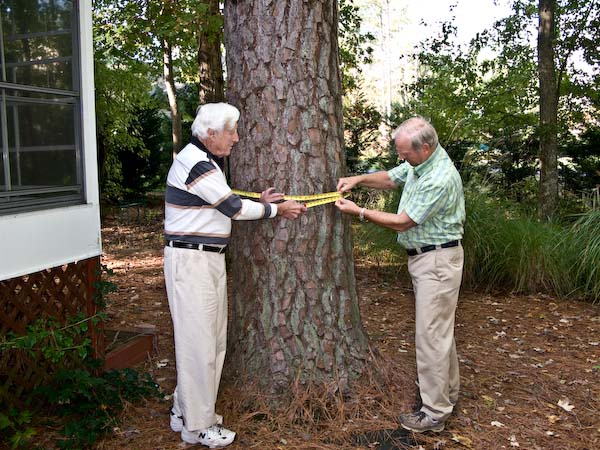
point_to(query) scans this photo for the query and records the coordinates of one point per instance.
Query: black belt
(206, 248)
(428, 248)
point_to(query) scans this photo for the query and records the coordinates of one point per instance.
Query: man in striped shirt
(199, 207)
(429, 222)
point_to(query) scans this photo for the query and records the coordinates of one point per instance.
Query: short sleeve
(399, 173)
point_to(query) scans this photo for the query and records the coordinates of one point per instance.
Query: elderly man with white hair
(199, 207)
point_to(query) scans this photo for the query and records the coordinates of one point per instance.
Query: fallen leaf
(489, 401)
(564, 404)
(495, 423)
(553, 419)
(462, 440)
(513, 441)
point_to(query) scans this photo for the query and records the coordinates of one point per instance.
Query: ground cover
(530, 368)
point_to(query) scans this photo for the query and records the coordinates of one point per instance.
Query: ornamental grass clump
(508, 249)
(584, 236)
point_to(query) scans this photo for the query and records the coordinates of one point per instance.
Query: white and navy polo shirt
(199, 204)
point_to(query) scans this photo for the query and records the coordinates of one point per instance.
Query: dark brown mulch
(530, 368)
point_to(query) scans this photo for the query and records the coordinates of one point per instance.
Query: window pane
(41, 162)
(42, 149)
(38, 43)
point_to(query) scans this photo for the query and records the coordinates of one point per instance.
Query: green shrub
(86, 400)
(15, 428)
(584, 237)
(375, 243)
(506, 247)
(89, 405)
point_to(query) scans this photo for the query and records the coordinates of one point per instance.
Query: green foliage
(90, 404)
(48, 344)
(483, 98)
(130, 38)
(15, 428)
(506, 247)
(47, 341)
(121, 95)
(87, 401)
(103, 287)
(354, 45)
(361, 130)
(133, 33)
(581, 171)
(585, 237)
(378, 244)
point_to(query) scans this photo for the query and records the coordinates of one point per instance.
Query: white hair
(419, 131)
(214, 116)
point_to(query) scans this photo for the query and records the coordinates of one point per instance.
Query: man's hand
(377, 180)
(345, 184)
(290, 209)
(270, 196)
(347, 206)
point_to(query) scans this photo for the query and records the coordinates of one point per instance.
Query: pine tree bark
(210, 67)
(295, 306)
(548, 194)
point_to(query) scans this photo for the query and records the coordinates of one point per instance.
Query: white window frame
(16, 95)
(31, 241)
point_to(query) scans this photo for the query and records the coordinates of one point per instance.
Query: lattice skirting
(59, 292)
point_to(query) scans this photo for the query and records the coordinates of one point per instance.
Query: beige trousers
(196, 284)
(436, 278)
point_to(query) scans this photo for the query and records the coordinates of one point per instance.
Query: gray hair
(214, 116)
(419, 131)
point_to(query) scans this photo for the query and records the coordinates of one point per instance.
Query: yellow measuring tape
(308, 200)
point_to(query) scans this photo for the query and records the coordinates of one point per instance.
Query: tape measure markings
(311, 200)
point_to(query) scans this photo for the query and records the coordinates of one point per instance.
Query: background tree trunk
(210, 66)
(548, 195)
(172, 96)
(295, 310)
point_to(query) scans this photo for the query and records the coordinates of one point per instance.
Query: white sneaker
(213, 437)
(177, 421)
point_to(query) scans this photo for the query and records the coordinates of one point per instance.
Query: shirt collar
(426, 165)
(198, 143)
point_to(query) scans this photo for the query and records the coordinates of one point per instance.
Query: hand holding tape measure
(308, 200)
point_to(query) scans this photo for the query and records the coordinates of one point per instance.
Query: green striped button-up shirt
(433, 198)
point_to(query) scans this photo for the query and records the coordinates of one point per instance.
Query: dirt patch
(530, 367)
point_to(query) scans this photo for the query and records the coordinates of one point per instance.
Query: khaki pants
(197, 291)
(436, 278)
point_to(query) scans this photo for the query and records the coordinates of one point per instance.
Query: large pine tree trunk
(295, 304)
(210, 67)
(548, 195)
